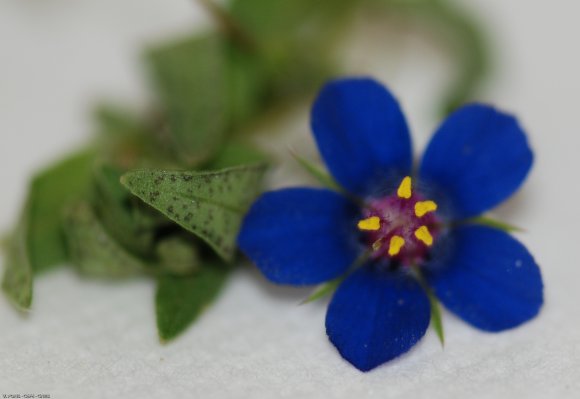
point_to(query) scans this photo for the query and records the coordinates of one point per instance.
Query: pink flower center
(401, 226)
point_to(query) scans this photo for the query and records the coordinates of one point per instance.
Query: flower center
(401, 226)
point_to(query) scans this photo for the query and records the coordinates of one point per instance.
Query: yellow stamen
(424, 207)
(395, 245)
(423, 234)
(404, 190)
(372, 223)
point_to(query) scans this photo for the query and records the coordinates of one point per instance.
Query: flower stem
(229, 25)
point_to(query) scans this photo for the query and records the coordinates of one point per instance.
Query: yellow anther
(372, 223)
(423, 234)
(404, 190)
(424, 207)
(395, 245)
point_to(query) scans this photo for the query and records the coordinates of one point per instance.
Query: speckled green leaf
(180, 300)
(18, 274)
(92, 249)
(50, 192)
(208, 204)
(190, 78)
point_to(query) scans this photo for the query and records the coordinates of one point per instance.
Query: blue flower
(395, 234)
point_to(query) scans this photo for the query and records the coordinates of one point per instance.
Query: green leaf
(180, 300)
(17, 282)
(297, 40)
(436, 321)
(128, 141)
(92, 250)
(496, 224)
(236, 153)
(246, 86)
(330, 286)
(190, 78)
(324, 289)
(178, 255)
(123, 219)
(317, 172)
(457, 31)
(50, 192)
(209, 204)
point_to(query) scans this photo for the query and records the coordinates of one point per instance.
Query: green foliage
(296, 40)
(236, 153)
(37, 243)
(324, 290)
(18, 273)
(436, 321)
(49, 194)
(180, 300)
(190, 78)
(120, 213)
(211, 86)
(460, 34)
(178, 255)
(127, 140)
(209, 204)
(93, 251)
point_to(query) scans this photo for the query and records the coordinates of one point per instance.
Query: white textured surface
(91, 339)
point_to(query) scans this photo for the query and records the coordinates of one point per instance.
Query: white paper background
(92, 339)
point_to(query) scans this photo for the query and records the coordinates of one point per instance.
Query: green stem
(229, 25)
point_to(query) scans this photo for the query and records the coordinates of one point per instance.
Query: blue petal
(487, 278)
(300, 236)
(376, 315)
(477, 158)
(361, 134)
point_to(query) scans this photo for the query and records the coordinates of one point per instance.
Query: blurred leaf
(180, 300)
(50, 192)
(178, 255)
(18, 275)
(277, 23)
(113, 205)
(208, 204)
(235, 153)
(471, 53)
(92, 250)
(296, 39)
(496, 224)
(114, 121)
(190, 78)
(246, 86)
(458, 31)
